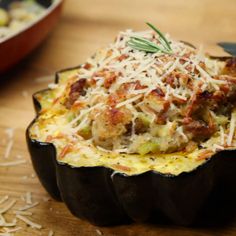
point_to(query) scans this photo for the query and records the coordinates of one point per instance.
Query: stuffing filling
(128, 101)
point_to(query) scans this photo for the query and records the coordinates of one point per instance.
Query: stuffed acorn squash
(142, 126)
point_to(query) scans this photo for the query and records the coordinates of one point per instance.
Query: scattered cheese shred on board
(9, 228)
(46, 199)
(26, 207)
(7, 224)
(12, 163)
(8, 206)
(8, 149)
(25, 93)
(99, 232)
(4, 199)
(10, 133)
(51, 233)
(23, 213)
(12, 230)
(5, 234)
(29, 222)
(28, 198)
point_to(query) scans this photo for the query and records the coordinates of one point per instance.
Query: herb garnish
(146, 45)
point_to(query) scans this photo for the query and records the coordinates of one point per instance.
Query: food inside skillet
(18, 15)
(146, 102)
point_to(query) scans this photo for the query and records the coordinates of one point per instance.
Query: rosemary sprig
(146, 45)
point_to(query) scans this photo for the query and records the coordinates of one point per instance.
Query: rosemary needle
(146, 45)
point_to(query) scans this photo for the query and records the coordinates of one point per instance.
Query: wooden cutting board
(85, 27)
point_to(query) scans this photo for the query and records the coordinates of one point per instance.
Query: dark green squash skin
(105, 197)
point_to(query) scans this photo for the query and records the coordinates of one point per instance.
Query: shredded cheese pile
(7, 204)
(15, 212)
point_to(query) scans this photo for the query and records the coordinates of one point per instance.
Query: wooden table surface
(84, 27)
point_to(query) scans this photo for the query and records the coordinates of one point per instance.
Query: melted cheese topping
(134, 111)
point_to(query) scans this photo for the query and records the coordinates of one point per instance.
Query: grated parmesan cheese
(12, 230)
(99, 232)
(12, 163)
(29, 198)
(128, 101)
(4, 199)
(3, 222)
(10, 133)
(8, 206)
(51, 233)
(26, 207)
(29, 222)
(25, 94)
(5, 234)
(8, 149)
(23, 213)
(222, 136)
(231, 130)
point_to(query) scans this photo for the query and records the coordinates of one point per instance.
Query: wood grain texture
(84, 27)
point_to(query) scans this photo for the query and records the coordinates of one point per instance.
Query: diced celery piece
(85, 132)
(144, 118)
(160, 130)
(147, 148)
(221, 120)
(70, 117)
(4, 18)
